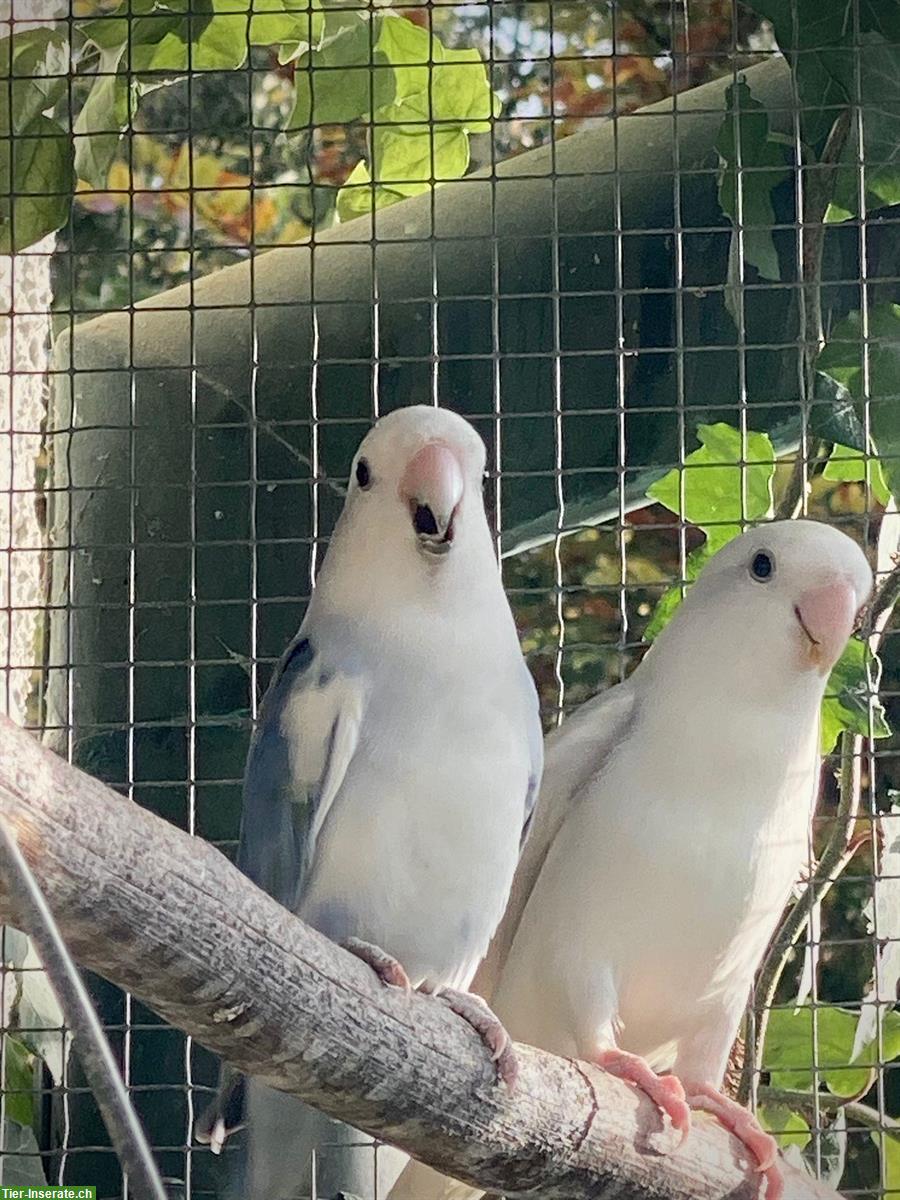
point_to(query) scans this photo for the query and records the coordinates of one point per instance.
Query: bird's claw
(385, 966)
(665, 1091)
(489, 1028)
(745, 1127)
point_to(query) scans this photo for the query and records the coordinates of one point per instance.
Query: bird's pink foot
(665, 1091)
(745, 1127)
(385, 966)
(489, 1028)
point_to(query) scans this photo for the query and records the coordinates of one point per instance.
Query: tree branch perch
(166, 916)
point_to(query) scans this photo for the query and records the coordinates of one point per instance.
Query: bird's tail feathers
(226, 1114)
(419, 1182)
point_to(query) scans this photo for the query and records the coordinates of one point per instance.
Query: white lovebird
(396, 762)
(673, 820)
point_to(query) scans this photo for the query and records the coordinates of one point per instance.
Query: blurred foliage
(261, 178)
(75, 88)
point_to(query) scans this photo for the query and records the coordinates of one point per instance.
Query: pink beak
(433, 480)
(827, 615)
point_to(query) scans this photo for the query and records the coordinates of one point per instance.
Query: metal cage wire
(144, 641)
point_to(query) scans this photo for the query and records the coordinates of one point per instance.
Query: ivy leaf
(789, 1128)
(99, 126)
(286, 22)
(818, 39)
(111, 31)
(222, 45)
(18, 1081)
(36, 181)
(37, 62)
(422, 117)
(879, 88)
(406, 158)
(726, 482)
(434, 82)
(342, 81)
(463, 92)
(152, 35)
(672, 597)
(753, 163)
(847, 465)
(359, 196)
(842, 359)
(889, 1148)
(851, 694)
(833, 417)
(797, 1039)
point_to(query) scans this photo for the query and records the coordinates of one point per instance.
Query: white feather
(673, 820)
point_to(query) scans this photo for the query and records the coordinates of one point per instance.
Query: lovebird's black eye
(363, 474)
(762, 567)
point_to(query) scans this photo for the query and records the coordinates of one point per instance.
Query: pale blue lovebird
(395, 765)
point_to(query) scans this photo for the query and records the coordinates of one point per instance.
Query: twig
(791, 502)
(818, 189)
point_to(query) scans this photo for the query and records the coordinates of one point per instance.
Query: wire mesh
(194, 349)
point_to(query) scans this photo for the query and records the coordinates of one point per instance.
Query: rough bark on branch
(166, 916)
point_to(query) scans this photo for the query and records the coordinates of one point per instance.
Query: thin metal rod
(126, 1134)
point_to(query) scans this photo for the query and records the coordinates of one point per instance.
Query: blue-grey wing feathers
(299, 753)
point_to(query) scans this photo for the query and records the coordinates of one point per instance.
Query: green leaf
(879, 89)
(833, 417)
(342, 81)
(818, 38)
(672, 597)
(294, 22)
(18, 1081)
(752, 164)
(99, 126)
(851, 694)
(847, 465)
(110, 32)
(409, 49)
(404, 157)
(726, 482)
(842, 359)
(889, 1148)
(434, 82)
(36, 183)
(798, 1040)
(222, 44)
(461, 91)
(789, 1128)
(358, 197)
(35, 73)
(152, 35)
(422, 98)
